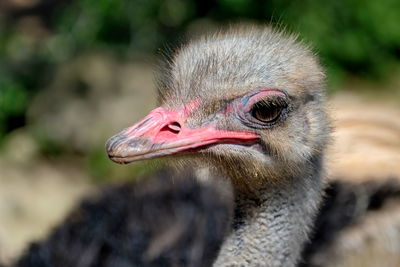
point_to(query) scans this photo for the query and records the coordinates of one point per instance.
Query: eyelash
(266, 112)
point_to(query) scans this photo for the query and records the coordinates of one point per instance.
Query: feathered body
(156, 222)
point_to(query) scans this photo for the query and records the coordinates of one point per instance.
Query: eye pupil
(266, 113)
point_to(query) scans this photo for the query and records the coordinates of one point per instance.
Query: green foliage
(13, 100)
(356, 37)
(99, 165)
(121, 24)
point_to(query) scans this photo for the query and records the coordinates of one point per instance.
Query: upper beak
(163, 132)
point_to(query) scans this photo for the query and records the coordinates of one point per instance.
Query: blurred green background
(60, 55)
(74, 72)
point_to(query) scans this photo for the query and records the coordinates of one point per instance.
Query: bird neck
(272, 225)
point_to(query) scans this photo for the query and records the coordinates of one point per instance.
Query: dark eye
(266, 112)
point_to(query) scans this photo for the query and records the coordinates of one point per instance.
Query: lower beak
(162, 133)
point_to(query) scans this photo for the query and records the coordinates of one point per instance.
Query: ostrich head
(247, 101)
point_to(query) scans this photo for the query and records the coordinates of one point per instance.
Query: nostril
(170, 130)
(174, 127)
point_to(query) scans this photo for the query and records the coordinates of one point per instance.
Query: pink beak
(163, 132)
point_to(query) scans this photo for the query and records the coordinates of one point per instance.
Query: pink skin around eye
(261, 95)
(245, 104)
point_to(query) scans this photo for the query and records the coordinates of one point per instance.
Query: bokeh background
(73, 72)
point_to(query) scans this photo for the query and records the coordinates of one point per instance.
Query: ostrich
(246, 108)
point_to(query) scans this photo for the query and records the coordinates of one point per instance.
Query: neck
(272, 225)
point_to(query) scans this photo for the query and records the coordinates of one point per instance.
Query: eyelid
(259, 96)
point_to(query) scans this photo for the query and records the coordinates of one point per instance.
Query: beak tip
(114, 142)
(122, 148)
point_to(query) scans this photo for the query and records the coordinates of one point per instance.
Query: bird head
(248, 100)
